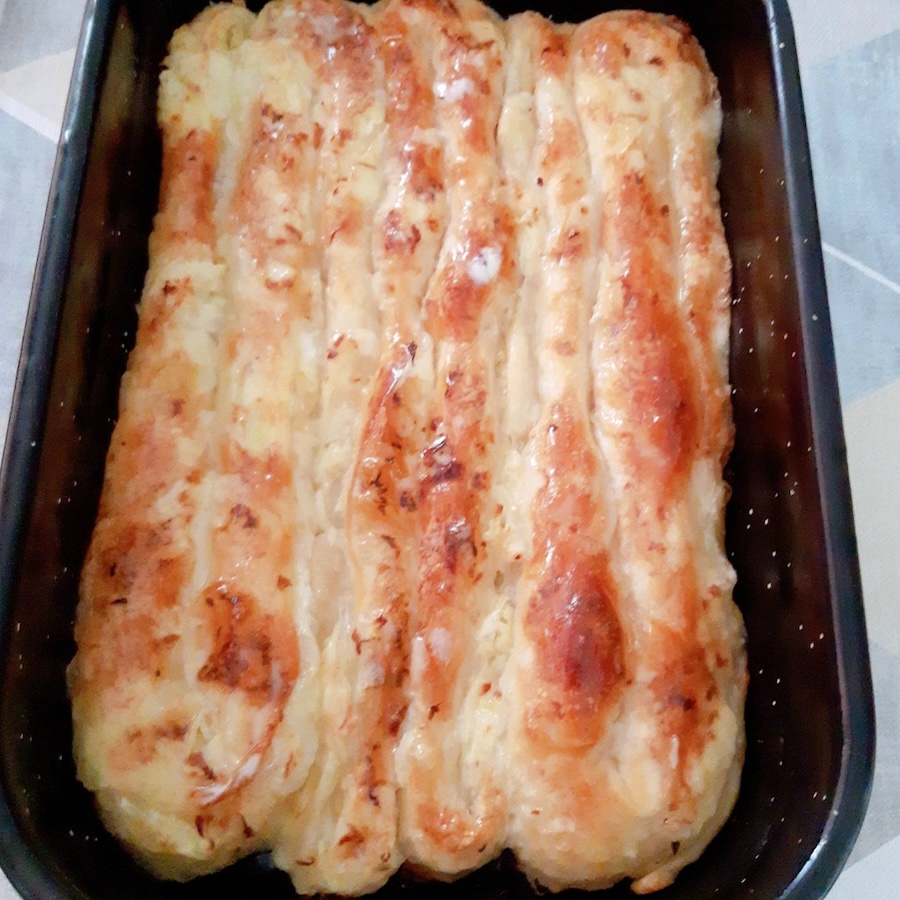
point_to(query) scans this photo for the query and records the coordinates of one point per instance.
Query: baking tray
(810, 718)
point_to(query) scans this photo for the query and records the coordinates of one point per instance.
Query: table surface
(850, 62)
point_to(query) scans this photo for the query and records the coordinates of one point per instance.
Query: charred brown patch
(377, 488)
(335, 346)
(353, 838)
(143, 743)
(572, 618)
(170, 731)
(396, 720)
(398, 239)
(439, 463)
(684, 693)
(243, 515)
(686, 703)
(348, 223)
(582, 646)
(252, 652)
(458, 541)
(424, 167)
(554, 53)
(197, 761)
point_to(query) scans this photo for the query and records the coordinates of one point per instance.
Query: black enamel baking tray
(810, 716)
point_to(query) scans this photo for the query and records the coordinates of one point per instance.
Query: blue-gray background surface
(850, 61)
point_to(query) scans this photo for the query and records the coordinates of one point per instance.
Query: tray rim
(34, 874)
(31, 871)
(851, 798)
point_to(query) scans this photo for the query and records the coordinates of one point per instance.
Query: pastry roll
(410, 547)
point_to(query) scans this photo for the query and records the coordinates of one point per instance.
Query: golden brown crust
(452, 823)
(646, 786)
(135, 717)
(410, 545)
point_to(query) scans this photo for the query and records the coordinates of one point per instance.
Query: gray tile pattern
(884, 807)
(854, 126)
(828, 27)
(30, 29)
(865, 318)
(850, 53)
(26, 162)
(853, 112)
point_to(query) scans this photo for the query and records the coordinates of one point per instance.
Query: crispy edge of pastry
(141, 560)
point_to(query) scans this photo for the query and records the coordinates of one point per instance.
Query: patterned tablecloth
(850, 59)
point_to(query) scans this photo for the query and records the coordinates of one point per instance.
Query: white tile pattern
(35, 93)
(854, 46)
(826, 28)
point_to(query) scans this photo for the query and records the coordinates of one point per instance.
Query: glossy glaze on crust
(642, 789)
(410, 545)
(452, 793)
(340, 833)
(138, 742)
